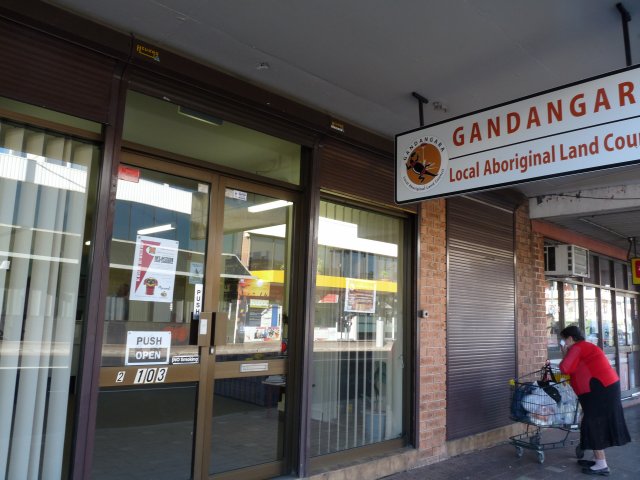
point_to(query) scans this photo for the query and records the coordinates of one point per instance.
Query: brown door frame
(206, 372)
(232, 369)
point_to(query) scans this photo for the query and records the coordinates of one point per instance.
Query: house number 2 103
(150, 375)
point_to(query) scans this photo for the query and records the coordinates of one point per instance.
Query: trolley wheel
(540, 457)
(579, 452)
(519, 452)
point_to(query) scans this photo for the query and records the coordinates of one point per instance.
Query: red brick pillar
(432, 331)
(531, 323)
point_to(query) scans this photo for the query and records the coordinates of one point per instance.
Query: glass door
(146, 423)
(250, 380)
(193, 374)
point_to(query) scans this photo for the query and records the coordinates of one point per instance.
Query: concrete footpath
(501, 462)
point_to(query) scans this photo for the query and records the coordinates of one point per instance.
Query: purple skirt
(603, 423)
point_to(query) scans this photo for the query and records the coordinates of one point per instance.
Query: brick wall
(531, 334)
(432, 331)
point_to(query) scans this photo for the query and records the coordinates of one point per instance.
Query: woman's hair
(573, 332)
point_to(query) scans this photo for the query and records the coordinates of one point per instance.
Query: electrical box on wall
(566, 261)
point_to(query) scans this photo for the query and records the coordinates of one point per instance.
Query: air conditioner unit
(566, 261)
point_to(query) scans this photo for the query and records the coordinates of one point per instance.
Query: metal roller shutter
(480, 316)
(357, 173)
(49, 72)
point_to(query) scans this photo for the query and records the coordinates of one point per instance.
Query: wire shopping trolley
(544, 400)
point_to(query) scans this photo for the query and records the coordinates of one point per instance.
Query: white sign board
(581, 127)
(147, 348)
(154, 269)
(197, 301)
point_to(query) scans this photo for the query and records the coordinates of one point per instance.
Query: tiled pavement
(500, 462)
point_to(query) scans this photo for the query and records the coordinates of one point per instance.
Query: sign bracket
(422, 101)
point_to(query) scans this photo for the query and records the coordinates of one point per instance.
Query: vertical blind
(358, 387)
(44, 180)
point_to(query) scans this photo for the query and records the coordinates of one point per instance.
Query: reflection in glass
(157, 259)
(46, 203)
(552, 305)
(255, 269)
(591, 330)
(620, 274)
(145, 432)
(357, 351)
(608, 338)
(605, 272)
(165, 126)
(623, 320)
(248, 411)
(571, 304)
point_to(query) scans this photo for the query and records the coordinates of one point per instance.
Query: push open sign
(148, 348)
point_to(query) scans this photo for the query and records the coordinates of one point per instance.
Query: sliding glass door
(193, 376)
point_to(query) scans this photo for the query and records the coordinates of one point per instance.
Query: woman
(597, 386)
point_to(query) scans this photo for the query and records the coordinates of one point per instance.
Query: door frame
(221, 370)
(206, 372)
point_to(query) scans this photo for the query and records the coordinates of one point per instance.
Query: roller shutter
(43, 70)
(480, 316)
(358, 173)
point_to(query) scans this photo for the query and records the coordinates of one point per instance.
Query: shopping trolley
(544, 400)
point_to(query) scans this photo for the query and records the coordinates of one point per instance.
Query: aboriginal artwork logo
(424, 161)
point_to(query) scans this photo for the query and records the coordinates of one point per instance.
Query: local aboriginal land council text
(560, 152)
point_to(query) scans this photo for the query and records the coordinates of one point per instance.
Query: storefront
(178, 264)
(201, 279)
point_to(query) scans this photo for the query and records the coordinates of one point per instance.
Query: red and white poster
(154, 269)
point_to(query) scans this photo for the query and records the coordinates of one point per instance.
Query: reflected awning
(233, 267)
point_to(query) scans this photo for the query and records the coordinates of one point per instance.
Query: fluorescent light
(200, 116)
(268, 206)
(159, 228)
(334, 233)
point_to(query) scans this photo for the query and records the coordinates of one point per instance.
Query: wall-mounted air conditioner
(566, 261)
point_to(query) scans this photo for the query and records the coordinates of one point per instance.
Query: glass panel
(552, 304)
(571, 304)
(633, 323)
(594, 272)
(248, 412)
(620, 275)
(253, 280)
(608, 337)
(623, 318)
(46, 206)
(358, 387)
(50, 115)
(591, 330)
(166, 126)
(157, 262)
(145, 432)
(605, 272)
(633, 359)
(624, 371)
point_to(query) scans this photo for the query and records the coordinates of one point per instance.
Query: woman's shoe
(602, 471)
(586, 463)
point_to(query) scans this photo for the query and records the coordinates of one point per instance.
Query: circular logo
(424, 162)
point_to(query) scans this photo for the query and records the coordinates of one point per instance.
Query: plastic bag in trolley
(538, 399)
